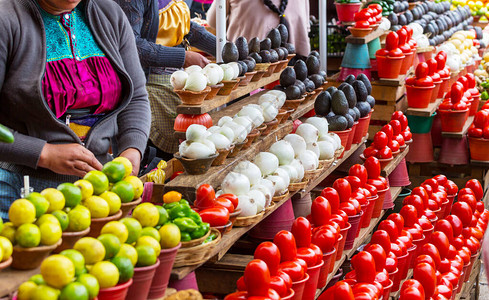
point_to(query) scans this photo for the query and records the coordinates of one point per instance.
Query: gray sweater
(23, 109)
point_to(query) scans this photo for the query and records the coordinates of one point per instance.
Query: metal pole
(221, 28)
(323, 34)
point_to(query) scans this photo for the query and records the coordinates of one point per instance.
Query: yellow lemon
(147, 214)
(86, 188)
(79, 218)
(149, 241)
(55, 198)
(21, 211)
(137, 184)
(99, 181)
(6, 247)
(76, 258)
(114, 170)
(170, 236)
(28, 235)
(106, 273)
(25, 290)
(50, 233)
(127, 164)
(98, 207)
(8, 231)
(57, 270)
(152, 232)
(45, 292)
(47, 218)
(113, 201)
(92, 249)
(129, 252)
(116, 228)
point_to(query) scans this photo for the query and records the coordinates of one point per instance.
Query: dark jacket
(23, 109)
(144, 18)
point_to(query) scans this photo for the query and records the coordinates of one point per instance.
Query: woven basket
(338, 152)
(312, 174)
(280, 198)
(326, 163)
(296, 186)
(195, 242)
(270, 207)
(197, 254)
(247, 221)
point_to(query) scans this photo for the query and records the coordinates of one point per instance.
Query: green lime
(126, 269)
(74, 291)
(114, 170)
(146, 255)
(111, 243)
(133, 227)
(163, 215)
(28, 236)
(40, 203)
(37, 279)
(99, 181)
(76, 258)
(62, 218)
(91, 283)
(152, 232)
(124, 190)
(72, 194)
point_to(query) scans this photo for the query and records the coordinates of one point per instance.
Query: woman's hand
(68, 159)
(134, 157)
(194, 58)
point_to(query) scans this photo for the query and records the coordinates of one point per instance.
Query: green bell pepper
(183, 201)
(195, 216)
(171, 205)
(185, 224)
(210, 238)
(485, 95)
(201, 231)
(185, 237)
(179, 211)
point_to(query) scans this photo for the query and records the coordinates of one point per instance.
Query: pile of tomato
(391, 137)
(391, 46)
(368, 16)
(214, 210)
(461, 94)
(480, 126)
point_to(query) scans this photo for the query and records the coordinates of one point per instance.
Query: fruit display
(345, 105)
(478, 9)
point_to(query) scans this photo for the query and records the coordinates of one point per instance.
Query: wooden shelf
(424, 112)
(425, 49)
(364, 234)
(399, 81)
(394, 163)
(367, 39)
(218, 101)
(480, 163)
(459, 134)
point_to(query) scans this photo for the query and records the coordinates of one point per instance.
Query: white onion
(254, 114)
(299, 168)
(308, 132)
(178, 79)
(267, 162)
(248, 206)
(293, 175)
(258, 197)
(255, 106)
(239, 131)
(183, 147)
(224, 120)
(267, 192)
(209, 144)
(268, 98)
(193, 68)
(250, 170)
(212, 76)
(228, 72)
(309, 160)
(216, 67)
(235, 67)
(297, 142)
(283, 151)
(326, 150)
(337, 139)
(244, 121)
(196, 133)
(267, 184)
(196, 82)
(235, 183)
(278, 184)
(329, 138)
(197, 150)
(227, 132)
(214, 129)
(269, 111)
(314, 147)
(219, 140)
(281, 97)
(320, 123)
(219, 193)
(284, 174)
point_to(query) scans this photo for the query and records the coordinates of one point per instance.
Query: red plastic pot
(341, 241)
(299, 287)
(412, 256)
(427, 234)
(407, 62)
(403, 266)
(290, 295)
(142, 279)
(352, 233)
(163, 271)
(367, 214)
(419, 243)
(338, 254)
(453, 120)
(346, 11)
(352, 134)
(379, 203)
(434, 93)
(474, 105)
(359, 132)
(117, 292)
(387, 290)
(396, 280)
(448, 208)
(364, 210)
(419, 96)
(344, 136)
(389, 67)
(443, 209)
(444, 87)
(324, 270)
(479, 148)
(469, 269)
(312, 282)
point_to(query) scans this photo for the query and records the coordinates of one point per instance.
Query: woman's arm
(202, 39)
(150, 54)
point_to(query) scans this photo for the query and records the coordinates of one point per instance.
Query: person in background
(70, 86)
(243, 18)
(199, 8)
(163, 33)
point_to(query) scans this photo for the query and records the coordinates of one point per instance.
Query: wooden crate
(382, 114)
(173, 166)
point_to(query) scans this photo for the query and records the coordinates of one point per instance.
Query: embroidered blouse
(78, 74)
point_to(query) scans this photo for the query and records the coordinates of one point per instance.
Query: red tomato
(343, 187)
(391, 228)
(205, 197)
(385, 153)
(324, 238)
(355, 182)
(388, 130)
(215, 216)
(441, 179)
(444, 290)
(333, 198)
(431, 250)
(426, 275)
(338, 220)
(382, 238)
(422, 70)
(463, 211)
(410, 215)
(362, 15)
(423, 258)
(321, 211)
(460, 105)
(415, 201)
(233, 198)
(407, 135)
(411, 293)
(476, 187)
(257, 278)
(371, 189)
(293, 269)
(379, 256)
(394, 145)
(481, 119)
(445, 227)
(392, 41)
(362, 24)
(301, 229)
(318, 252)
(364, 262)
(485, 132)
(285, 242)
(380, 140)
(278, 284)
(226, 203)
(355, 204)
(348, 208)
(308, 255)
(270, 254)
(373, 167)
(370, 151)
(470, 200)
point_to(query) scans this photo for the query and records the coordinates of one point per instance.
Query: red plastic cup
(367, 214)
(324, 270)
(412, 256)
(453, 120)
(312, 282)
(434, 94)
(360, 130)
(427, 234)
(419, 96)
(479, 148)
(346, 11)
(289, 296)
(419, 243)
(387, 290)
(117, 292)
(407, 62)
(396, 280)
(299, 287)
(389, 67)
(352, 233)
(379, 203)
(142, 279)
(402, 265)
(444, 87)
(341, 241)
(163, 271)
(448, 209)
(474, 105)
(344, 136)
(352, 135)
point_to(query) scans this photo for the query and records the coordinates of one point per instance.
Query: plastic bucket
(389, 67)
(163, 271)
(367, 214)
(117, 292)
(312, 282)
(361, 126)
(302, 206)
(187, 282)
(419, 96)
(396, 280)
(364, 211)
(400, 176)
(352, 134)
(434, 94)
(454, 151)
(344, 136)
(352, 233)
(443, 87)
(324, 270)
(427, 234)
(338, 252)
(289, 296)
(412, 256)
(299, 287)
(453, 120)
(342, 240)
(407, 62)
(419, 243)
(479, 148)
(388, 201)
(474, 105)
(387, 290)
(346, 11)
(142, 279)
(448, 209)
(365, 129)
(419, 124)
(281, 219)
(379, 204)
(335, 278)
(422, 148)
(402, 265)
